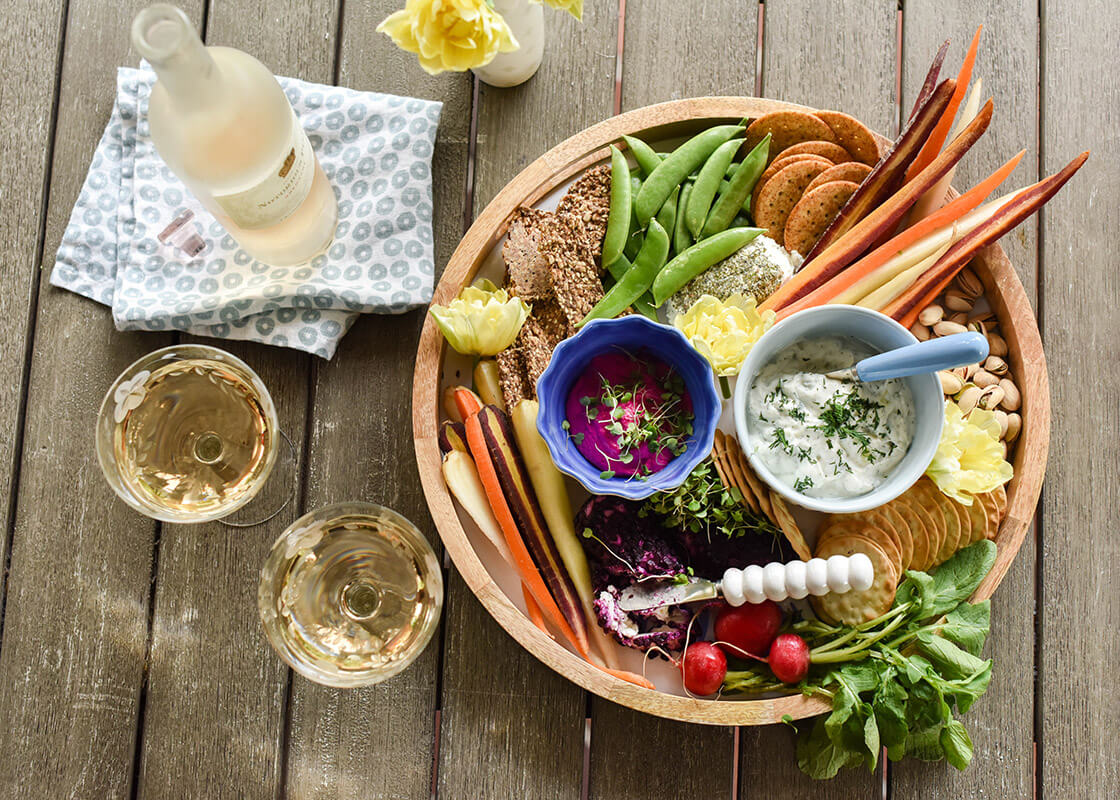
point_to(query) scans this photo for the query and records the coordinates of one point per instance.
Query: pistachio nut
(946, 328)
(1011, 399)
(931, 314)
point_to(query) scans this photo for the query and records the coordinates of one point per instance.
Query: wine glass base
(235, 520)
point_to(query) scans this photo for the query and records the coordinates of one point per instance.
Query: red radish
(789, 658)
(704, 667)
(748, 629)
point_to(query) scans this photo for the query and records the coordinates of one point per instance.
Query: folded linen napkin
(376, 149)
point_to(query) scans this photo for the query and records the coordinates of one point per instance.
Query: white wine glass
(188, 434)
(350, 594)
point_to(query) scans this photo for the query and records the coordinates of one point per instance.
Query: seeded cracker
(588, 201)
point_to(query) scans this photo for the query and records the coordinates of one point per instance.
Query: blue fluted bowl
(631, 333)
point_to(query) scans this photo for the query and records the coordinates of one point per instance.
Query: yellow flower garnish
(969, 460)
(482, 321)
(449, 34)
(724, 332)
(573, 7)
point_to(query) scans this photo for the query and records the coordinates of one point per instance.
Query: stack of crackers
(919, 529)
(817, 161)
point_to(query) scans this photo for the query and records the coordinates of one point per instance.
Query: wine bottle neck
(164, 36)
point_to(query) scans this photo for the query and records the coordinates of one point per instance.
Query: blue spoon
(933, 355)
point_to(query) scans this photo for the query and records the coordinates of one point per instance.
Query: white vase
(526, 21)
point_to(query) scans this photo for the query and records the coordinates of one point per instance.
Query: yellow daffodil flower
(573, 7)
(724, 332)
(969, 460)
(449, 34)
(482, 321)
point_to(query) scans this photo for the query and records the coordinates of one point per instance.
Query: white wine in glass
(350, 594)
(187, 434)
(222, 123)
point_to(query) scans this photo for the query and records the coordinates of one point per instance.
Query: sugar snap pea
(667, 216)
(682, 240)
(707, 184)
(644, 306)
(737, 196)
(676, 167)
(636, 280)
(644, 154)
(633, 244)
(618, 218)
(687, 265)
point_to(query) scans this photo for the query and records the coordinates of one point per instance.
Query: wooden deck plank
(661, 32)
(211, 669)
(510, 727)
(1001, 725)
(835, 55)
(1079, 645)
(75, 628)
(378, 741)
(28, 59)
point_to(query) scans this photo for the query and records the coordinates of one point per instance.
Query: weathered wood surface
(1007, 63)
(1078, 645)
(510, 727)
(209, 661)
(131, 661)
(657, 33)
(76, 618)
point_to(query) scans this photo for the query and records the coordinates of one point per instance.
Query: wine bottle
(221, 122)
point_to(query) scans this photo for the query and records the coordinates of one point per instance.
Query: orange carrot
(533, 610)
(527, 570)
(629, 677)
(945, 215)
(940, 132)
(466, 401)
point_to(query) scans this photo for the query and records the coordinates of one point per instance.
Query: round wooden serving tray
(554, 169)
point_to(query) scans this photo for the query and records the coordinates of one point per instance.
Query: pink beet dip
(629, 414)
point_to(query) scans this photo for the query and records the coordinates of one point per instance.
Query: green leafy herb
(803, 483)
(703, 503)
(895, 681)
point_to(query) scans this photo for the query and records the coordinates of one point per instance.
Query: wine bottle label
(276, 197)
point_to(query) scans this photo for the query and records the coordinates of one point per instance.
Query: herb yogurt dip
(822, 436)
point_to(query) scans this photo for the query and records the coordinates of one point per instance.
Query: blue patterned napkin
(376, 149)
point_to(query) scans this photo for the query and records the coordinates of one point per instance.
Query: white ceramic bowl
(880, 333)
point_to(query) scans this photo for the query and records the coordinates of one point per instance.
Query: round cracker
(789, 527)
(830, 150)
(775, 167)
(781, 193)
(978, 520)
(999, 494)
(991, 513)
(839, 527)
(921, 529)
(853, 608)
(925, 493)
(852, 135)
(749, 482)
(854, 171)
(814, 212)
(902, 529)
(787, 128)
(966, 525)
(953, 528)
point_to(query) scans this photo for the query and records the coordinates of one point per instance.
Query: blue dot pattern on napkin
(375, 149)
